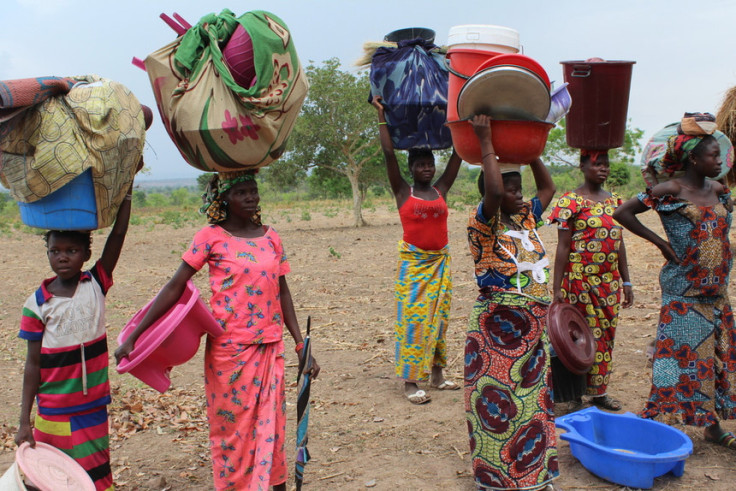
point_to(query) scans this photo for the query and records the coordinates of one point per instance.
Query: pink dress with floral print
(244, 368)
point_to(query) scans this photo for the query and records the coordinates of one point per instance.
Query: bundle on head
(370, 47)
(726, 122)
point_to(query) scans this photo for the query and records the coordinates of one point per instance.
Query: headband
(214, 206)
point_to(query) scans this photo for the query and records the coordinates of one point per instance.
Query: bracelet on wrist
(299, 347)
(128, 197)
(486, 155)
(627, 283)
(382, 122)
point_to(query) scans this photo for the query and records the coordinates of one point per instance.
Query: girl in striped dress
(66, 362)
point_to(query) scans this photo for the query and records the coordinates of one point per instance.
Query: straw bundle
(370, 47)
(726, 122)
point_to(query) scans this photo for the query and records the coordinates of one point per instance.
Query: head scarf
(214, 206)
(690, 132)
(592, 154)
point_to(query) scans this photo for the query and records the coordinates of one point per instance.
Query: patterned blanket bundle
(216, 124)
(412, 79)
(53, 129)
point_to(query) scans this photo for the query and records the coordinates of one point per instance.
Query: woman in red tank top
(423, 279)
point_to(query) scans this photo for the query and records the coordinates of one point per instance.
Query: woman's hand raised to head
(482, 126)
(377, 102)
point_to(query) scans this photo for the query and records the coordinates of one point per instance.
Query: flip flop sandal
(727, 439)
(447, 385)
(419, 397)
(606, 402)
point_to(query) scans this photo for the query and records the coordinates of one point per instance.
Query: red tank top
(425, 222)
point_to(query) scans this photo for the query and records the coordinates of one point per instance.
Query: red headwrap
(592, 154)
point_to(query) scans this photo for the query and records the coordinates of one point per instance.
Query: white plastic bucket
(11, 480)
(499, 39)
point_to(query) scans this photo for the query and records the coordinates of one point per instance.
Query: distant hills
(166, 183)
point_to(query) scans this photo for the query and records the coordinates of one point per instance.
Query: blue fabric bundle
(412, 79)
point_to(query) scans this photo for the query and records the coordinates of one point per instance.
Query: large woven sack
(97, 125)
(216, 124)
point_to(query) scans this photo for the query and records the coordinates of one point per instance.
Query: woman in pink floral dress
(244, 367)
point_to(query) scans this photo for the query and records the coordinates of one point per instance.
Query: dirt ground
(363, 432)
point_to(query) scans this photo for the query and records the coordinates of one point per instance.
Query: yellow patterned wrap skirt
(423, 298)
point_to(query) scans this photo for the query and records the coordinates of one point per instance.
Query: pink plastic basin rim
(174, 316)
(47, 467)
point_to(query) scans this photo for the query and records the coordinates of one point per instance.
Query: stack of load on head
(600, 94)
(489, 76)
(229, 89)
(69, 148)
(408, 71)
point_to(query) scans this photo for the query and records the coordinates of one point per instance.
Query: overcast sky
(685, 52)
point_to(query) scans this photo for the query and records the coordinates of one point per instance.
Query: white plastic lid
(484, 34)
(50, 469)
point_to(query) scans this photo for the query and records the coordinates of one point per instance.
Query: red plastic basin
(515, 59)
(515, 142)
(463, 64)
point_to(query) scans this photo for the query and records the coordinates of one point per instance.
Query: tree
(203, 180)
(335, 133)
(620, 175)
(558, 152)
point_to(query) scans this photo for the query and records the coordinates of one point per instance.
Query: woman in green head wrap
(244, 367)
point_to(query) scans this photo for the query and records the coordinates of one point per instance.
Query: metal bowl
(504, 92)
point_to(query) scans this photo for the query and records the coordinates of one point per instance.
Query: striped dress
(74, 390)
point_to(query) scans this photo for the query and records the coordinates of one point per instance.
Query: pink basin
(170, 341)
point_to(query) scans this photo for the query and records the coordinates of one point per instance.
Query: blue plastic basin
(72, 207)
(623, 448)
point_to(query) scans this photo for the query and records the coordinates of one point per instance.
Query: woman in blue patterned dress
(694, 367)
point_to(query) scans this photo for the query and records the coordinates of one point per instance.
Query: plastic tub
(462, 63)
(238, 56)
(600, 101)
(170, 341)
(482, 37)
(515, 142)
(504, 92)
(522, 61)
(11, 479)
(623, 448)
(72, 207)
(560, 102)
(46, 468)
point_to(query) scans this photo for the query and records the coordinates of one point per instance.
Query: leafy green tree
(179, 197)
(203, 180)
(157, 200)
(558, 152)
(335, 133)
(620, 175)
(139, 198)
